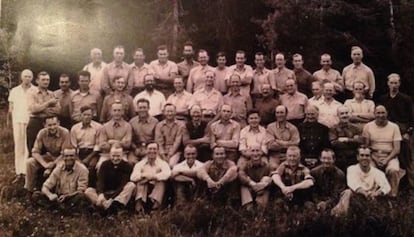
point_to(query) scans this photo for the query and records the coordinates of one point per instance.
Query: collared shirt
(246, 77)
(181, 101)
(210, 169)
(91, 99)
(220, 83)
(330, 75)
(64, 182)
(287, 133)
(266, 107)
(328, 113)
(329, 183)
(365, 106)
(116, 130)
(362, 73)
(113, 70)
(52, 144)
(399, 108)
(281, 76)
(184, 68)
(240, 104)
(164, 70)
(314, 137)
(261, 77)
(183, 166)
(208, 100)
(136, 76)
(255, 173)
(18, 96)
(169, 134)
(85, 136)
(96, 75)
(251, 137)
(113, 177)
(197, 77)
(143, 130)
(156, 99)
(160, 169)
(304, 81)
(192, 131)
(229, 131)
(381, 138)
(127, 105)
(374, 180)
(65, 98)
(291, 176)
(37, 97)
(296, 104)
(342, 130)
(315, 101)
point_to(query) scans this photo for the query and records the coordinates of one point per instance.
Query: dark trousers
(33, 127)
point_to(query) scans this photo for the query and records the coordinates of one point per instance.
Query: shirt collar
(86, 126)
(255, 130)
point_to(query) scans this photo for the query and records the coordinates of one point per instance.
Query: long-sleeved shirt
(63, 181)
(169, 135)
(314, 137)
(82, 136)
(286, 133)
(281, 76)
(112, 178)
(240, 105)
(160, 169)
(96, 75)
(373, 180)
(246, 77)
(143, 131)
(136, 75)
(90, 98)
(127, 105)
(36, 98)
(296, 105)
(116, 130)
(261, 77)
(156, 99)
(225, 131)
(400, 109)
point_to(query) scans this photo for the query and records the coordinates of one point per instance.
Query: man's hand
(52, 102)
(211, 183)
(321, 205)
(50, 165)
(62, 198)
(53, 197)
(406, 136)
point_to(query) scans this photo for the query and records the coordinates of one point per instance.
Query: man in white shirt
(328, 108)
(244, 71)
(95, 68)
(155, 97)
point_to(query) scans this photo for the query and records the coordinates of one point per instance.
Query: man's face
(149, 82)
(356, 55)
(290, 86)
(27, 77)
(210, 78)
(364, 157)
(240, 59)
(179, 84)
(343, 114)
(51, 124)
(84, 82)
(188, 52)
(280, 61)
(162, 55)
(96, 56)
(380, 114)
(219, 155)
(253, 120)
(394, 84)
(358, 90)
(311, 115)
(298, 62)
(292, 158)
(86, 116)
(280, 113)
(190, 155)
(142, 109)
(139, 57)
(256, 153)
(203, 58)
(327, 159)
(221, 61)
(120, 84)
(64, 83)
(316, 89)
(169, 112)
(266, 91)
(326, 62)
(69, 158)
(196, 114)
(328, 91)
(225, 112)
(152, 151)
(119, 54)
(259, 61)
(117, 111)
(43, 81)
(116, 156)
(235, 81)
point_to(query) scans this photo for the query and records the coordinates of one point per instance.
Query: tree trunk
(175, 28)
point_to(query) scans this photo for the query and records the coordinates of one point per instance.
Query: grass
(18, 217)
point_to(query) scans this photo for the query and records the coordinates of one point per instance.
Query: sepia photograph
(201, 118)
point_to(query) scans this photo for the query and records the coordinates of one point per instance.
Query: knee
(31, 162)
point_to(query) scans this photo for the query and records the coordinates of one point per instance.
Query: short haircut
(116, 78)
(286, 109)
(152, 142)
(293, 148)
(356, 82)
(162, 47)
(178, 77)
(50, 117)
(143, 100)
(253, 111)
(311, 106)
(148, 74)
(119, 47)
(217, 147)
(188, 43)
(259, 54)
(202, 51)
(330, 151)
(169, 104)
(297, 55)
(355, 48)
(394, 75)
(116, 147)
(139, 50)
(190, 146)
(241, 52)
(221, 54)
(84, 74)
(64, 75)
(85, 108)
(364, 147)
(42, 73)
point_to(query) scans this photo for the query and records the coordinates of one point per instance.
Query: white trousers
(21, 152)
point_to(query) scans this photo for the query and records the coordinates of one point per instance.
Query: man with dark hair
(197, 77)
(261, 76)
(240, 103)
(208, 98)
(46, 152)
(180, 98)
(138, 70)
(117, 68)
(164, 71)
(281, 73)
(85, 97)
(220, 73)
(64, 94)
(361, 109)
(295, 101)
(304, 78)
(185, 66)
(328, 74)
(154, 96)
(266, 105)
(95, 68)
(328, 107)
(244, 71)
(42, 103)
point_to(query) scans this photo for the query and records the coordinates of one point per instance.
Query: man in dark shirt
(314, 137)
(113, 188)
(266, 105)
(64, 94)
(304, 78)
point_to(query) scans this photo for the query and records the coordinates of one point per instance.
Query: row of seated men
(218, 180)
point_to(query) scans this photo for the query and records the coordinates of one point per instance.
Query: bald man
(95, 68)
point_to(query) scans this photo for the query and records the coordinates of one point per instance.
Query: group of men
(145, 133)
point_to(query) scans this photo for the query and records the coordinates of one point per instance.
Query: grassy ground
(18, 217)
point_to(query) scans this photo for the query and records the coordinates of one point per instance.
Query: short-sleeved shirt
(220, 83)
(164, 70)
(330, 75)
(96, 75)
(82, 136)
(381, 138)
(143, 131)
(136, 76)
(181, 101)
(261, 77)
(197, 77)
(328, 113)
(51, 143)
(37, 97)
(292, 176)
(281, 76)
(246, 77)
(64, 182)
(18, 96)
(79, 100)
(168, 134)
(362, 73)
(208, 100)
(156, 99)
(183, 166)
(113, 70)
(295, 103)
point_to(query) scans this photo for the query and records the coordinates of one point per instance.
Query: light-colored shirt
(362, 73)
(184, 67)
(156, 99)
(240, 104)
(116, 130)
(91, 99)
(229, 132)
(96, 75)
(169, 135)
(164, 70)
(127, 106)
(331, 75)
(374, 180)
(315, 101)
(328, 113)
(281, 76)
(143, 131)
(381, 138)
(36, 98)
(65, 98)
(251, 137)
(246, 77)
(295, 103)
(85, 136)
(62, 181)
(197, 77)
(287, 133)
(183, 166)
(136, 76)
(113, 70)
(208, 100)
(160, 169)
(181, 101)
(52, 143)
(365, 106)
(220, 83)
(260, 77)
(18, 96)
